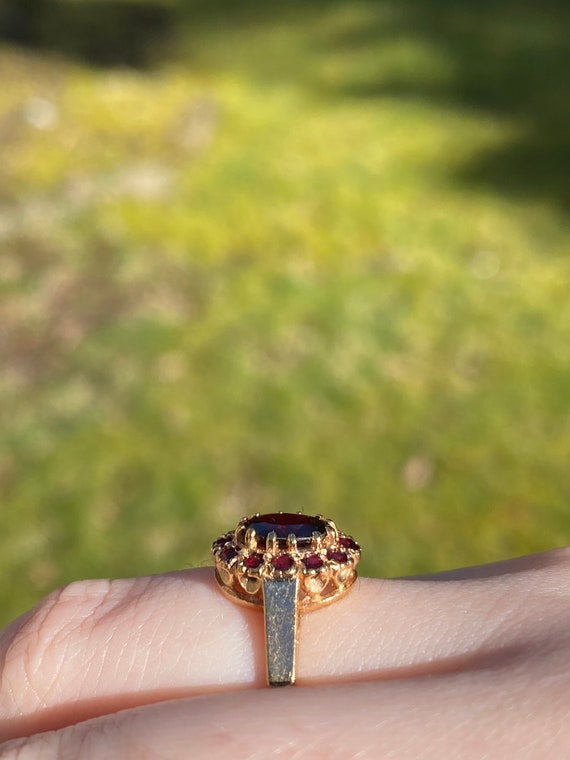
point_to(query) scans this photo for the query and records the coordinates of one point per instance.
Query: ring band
(285, 564)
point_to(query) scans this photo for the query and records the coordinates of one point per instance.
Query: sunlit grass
(228, 289)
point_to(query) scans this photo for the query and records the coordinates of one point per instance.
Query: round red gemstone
(228, 554)
(337, 556)
(283, 562)
(254, 561)
(283, 524)
(348, 543)
(313, 562)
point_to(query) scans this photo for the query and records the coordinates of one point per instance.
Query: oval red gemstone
(253, 561)
(283, 563)
(348, 543)
(282, 524)
(313, 562)
(228, 554)
(337, 556)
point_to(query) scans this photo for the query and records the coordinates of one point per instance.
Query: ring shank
(281, 614)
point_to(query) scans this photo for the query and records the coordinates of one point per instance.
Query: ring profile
(285, 563)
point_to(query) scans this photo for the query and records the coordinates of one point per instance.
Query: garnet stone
(313, 562)
(228, 554)
(283, 562)
(283, 524)
(337, 556)
(254, 561)
(348, 543)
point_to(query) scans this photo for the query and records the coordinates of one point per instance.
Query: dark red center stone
(301, 526)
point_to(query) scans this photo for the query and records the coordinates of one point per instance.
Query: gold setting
(325, 564)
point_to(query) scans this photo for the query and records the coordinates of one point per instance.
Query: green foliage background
(255, 258)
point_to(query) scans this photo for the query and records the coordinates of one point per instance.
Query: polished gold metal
(292, 542)
(271, 542)
(284, 575)
(251, 538)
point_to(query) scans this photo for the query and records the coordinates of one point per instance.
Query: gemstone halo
(286, 546)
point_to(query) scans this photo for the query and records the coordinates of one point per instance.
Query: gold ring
(285, 564)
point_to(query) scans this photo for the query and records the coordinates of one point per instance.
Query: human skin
(473, 664)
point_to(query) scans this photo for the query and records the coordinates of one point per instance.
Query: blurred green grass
(313, 258)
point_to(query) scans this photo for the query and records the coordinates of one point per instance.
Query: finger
(515, 565)
(101, 646)
(466, 717)
(94, 647)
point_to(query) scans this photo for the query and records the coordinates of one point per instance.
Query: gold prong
(271, 542)
(317, 541)
(331, 533)
(251, 538)
(257, 514)
(332, 525)
(320, 517)
(292, 542)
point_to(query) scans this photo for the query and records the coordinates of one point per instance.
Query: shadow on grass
(506, 58)
(99, 32)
